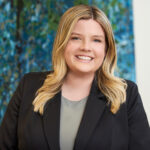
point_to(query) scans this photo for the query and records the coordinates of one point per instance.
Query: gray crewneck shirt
(70, 118)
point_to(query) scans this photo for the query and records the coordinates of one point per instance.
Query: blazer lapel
(51, 121)
(93, 111)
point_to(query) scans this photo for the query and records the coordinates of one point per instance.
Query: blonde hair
(112, 87)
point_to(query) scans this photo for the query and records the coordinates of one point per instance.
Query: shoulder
(33, 80)
(132, 89)
(133, 98)
(36, 75)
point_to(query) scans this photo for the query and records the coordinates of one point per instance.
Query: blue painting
(27, 31)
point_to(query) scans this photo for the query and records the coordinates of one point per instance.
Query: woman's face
(85, 49)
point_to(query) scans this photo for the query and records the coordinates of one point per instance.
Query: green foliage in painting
(78, 2)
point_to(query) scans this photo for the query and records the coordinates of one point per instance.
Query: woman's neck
(76, 87)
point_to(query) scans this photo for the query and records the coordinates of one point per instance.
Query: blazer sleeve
(139, 130)
(8, 128)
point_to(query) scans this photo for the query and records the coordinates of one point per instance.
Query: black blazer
(24, 129)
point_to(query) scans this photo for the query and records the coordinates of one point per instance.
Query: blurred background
(28, 28)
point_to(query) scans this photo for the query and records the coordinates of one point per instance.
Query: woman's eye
(74, 38)
(97, 40)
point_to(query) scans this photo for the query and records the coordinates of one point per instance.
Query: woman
(80, 105)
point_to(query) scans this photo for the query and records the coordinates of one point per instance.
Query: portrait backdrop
(27, 31)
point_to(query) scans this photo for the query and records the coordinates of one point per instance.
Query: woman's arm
(139, 130)
(8, 128)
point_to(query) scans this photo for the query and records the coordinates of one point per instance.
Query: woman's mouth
(84, 57)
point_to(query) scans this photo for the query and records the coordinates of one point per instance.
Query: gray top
(70, 117)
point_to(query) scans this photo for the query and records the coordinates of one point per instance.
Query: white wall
(141, 14)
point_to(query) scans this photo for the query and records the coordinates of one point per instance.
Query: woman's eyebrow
(75, 33)
(99, 36)
(95, 35)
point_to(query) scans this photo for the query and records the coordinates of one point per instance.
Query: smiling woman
(80, 104)
(84, 54)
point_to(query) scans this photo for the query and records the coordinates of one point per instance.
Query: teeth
(84, 57)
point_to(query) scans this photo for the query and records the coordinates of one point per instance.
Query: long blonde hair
(111, 86)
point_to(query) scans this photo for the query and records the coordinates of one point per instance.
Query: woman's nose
(85, 45)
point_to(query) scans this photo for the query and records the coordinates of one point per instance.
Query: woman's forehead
(88, 26)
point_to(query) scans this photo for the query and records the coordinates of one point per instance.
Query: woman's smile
(84, 58)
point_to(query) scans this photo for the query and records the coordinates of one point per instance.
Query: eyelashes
(97, 40)
(78, 38)
(75, 38)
